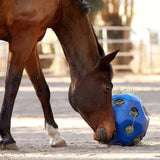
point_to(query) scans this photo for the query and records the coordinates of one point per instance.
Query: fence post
(149, 52)
(105, 38)
(60, 65)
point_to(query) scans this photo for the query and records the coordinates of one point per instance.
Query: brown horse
(23, 23)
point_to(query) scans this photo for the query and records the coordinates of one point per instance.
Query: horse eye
(108, 87)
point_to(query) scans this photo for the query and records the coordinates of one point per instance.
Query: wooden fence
(141, 39)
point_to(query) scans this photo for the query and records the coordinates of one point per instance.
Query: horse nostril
(114, 135)
(103, 137)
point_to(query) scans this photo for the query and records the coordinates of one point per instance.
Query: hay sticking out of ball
(124, 91)
(145, 111)
(120, 102)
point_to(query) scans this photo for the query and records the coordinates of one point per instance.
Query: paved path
(27, 123)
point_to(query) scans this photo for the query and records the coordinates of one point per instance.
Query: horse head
(92, 98)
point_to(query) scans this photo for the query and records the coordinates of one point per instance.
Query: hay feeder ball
(131, 119)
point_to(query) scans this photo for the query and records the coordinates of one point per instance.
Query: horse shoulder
(39, 11)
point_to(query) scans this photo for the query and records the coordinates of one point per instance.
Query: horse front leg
(12, 82)
(22, 39)
(36, 76)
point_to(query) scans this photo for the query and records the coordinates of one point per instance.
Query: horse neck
(80, 47)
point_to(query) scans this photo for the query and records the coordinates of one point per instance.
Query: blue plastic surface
(124, 118)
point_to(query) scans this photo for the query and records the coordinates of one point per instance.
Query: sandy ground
(33, 142)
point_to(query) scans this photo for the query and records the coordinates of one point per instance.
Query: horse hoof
(61, 143)
(11, 146)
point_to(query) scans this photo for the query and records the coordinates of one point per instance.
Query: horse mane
(102, 53)
(100, 49)
(85, 9)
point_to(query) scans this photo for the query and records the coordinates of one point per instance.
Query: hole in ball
(136, 140)
(119, 102)
(134, 112)
(129, 130)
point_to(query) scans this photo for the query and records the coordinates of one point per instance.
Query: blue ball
(131, 119)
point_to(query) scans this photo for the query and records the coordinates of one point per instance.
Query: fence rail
(137, 36)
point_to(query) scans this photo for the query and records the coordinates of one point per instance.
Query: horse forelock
(84, 7)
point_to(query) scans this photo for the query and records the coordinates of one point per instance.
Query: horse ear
(104, 61)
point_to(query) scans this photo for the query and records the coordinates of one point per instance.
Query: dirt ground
(33, 142)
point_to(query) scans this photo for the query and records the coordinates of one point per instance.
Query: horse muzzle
(101, 136)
